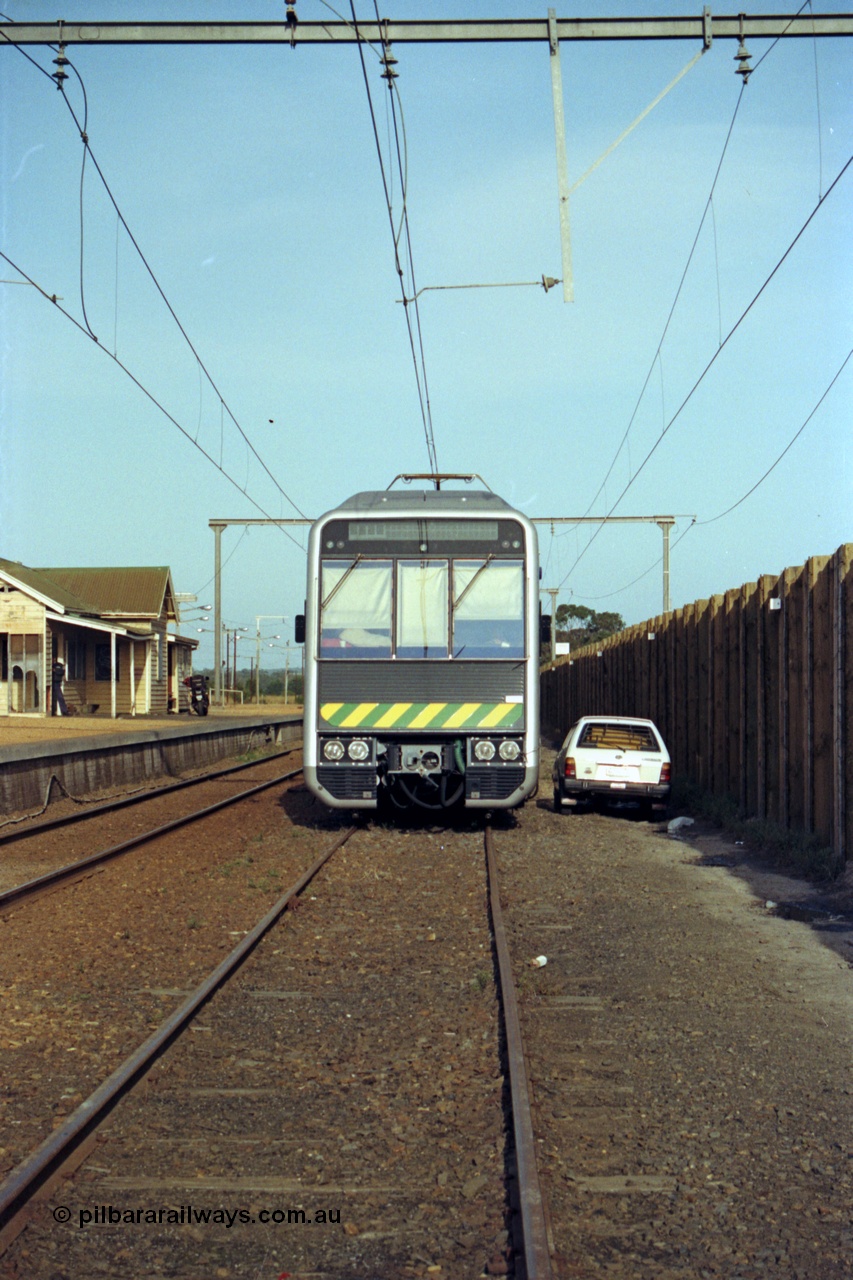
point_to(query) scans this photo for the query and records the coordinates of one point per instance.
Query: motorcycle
(199, 696)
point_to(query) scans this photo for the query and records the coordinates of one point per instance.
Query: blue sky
(250, 180)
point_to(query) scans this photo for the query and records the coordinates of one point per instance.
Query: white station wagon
(607, 760)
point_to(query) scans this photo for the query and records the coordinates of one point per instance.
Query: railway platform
(87, 754)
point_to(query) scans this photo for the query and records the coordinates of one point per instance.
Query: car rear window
(619, 737)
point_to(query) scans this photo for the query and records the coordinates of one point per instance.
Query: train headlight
(359, 749)
(333, 749)
(509, 750)
(484, 750)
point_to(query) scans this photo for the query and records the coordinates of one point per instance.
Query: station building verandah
(109, 628)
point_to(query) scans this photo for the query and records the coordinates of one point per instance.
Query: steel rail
(537, 1252)
(123, 802)
(25, 1179)
(71, 869)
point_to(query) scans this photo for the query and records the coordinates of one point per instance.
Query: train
(421, 633)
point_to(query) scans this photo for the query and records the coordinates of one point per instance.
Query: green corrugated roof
(40, 580)
(107, 593)
(119, 593)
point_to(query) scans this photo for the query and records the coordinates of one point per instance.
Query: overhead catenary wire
(83, 131)
(420, 359)
(398, 229)
(608, 595)
(223, 402)
(150, 395)
(735, 328)
(415, 332)
(428, 425)
(709, 207)
(806, 5)
(657, 355)
(199, 590)
(744, 497)
(60, 62)
(732, 331)
(787, 448)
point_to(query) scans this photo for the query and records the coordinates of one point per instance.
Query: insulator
(389, 63)
(742, 57)
(291, 21)
(61, 62)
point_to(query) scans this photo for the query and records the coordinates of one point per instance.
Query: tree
(580, 625)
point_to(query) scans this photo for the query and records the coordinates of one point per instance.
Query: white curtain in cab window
(497, 593)
(422, 604)
(363, 598)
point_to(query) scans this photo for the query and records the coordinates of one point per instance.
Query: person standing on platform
(58, 705)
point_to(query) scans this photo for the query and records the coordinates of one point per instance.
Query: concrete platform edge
(87, 765)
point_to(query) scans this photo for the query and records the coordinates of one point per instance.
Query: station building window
(102, 662)
(75, 660)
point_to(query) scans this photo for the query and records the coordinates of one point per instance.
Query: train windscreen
(422, 608)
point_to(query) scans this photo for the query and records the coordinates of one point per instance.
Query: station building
(110, 629)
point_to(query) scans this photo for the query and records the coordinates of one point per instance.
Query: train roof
(438, 500)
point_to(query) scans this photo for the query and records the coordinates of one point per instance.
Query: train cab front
(433, 773)
(421, 653)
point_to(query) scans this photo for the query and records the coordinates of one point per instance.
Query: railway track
(25, 827)
(69, 872)
(355, 1066)
(375, 1093)
(31, 1175)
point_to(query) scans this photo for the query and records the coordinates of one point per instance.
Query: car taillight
(666, 772)
(570, 768)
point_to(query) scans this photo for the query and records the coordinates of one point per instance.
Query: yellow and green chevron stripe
(422, 715)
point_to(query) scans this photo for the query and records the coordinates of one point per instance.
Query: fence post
(820, 595)
(671, 675)
(750, 697)
(704, 696)
(760, 600)
(719, 772)
(689, 709)
(797, 696)
(732, 711)
(843, 613)
(769, 637)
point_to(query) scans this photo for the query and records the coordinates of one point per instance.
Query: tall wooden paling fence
(752, 691)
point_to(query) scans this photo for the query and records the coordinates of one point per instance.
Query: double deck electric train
(421, 637)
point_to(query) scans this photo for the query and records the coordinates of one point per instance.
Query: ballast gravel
(690, 1055)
